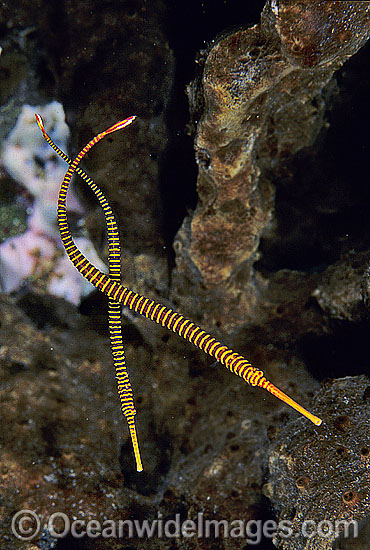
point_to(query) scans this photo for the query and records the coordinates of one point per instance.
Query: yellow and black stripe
(152, 310)
(114, 308)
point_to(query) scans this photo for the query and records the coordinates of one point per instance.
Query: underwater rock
(321, 474)
(318, 32)
(19, 80)
(45, 450)
(340, 293)
(60, 448)
(366, 287)
(202, 432)
(126, 67)
(259, 100)
(116, 62)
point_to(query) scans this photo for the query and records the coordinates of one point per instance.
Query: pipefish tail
(159, 313)
(114, 308)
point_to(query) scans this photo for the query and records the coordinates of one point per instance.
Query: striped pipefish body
(114, 308)
(159, 313)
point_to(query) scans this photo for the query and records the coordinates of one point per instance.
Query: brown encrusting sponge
(258, 100)
(322, 475)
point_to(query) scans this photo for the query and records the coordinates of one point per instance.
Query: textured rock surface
(259, 99)
(203, 434)
(322, 473)
(130, 72)
(340, 293)
(61, 448)
(101, 73)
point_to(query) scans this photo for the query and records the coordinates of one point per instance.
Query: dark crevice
(344, 351)
(322, 207)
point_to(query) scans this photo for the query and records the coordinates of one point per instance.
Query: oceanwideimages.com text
(27, 525)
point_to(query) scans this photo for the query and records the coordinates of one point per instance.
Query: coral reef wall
(259, 99)
(249, 214)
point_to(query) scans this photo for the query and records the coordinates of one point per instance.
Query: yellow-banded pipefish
(157, 312)
(114, 308)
